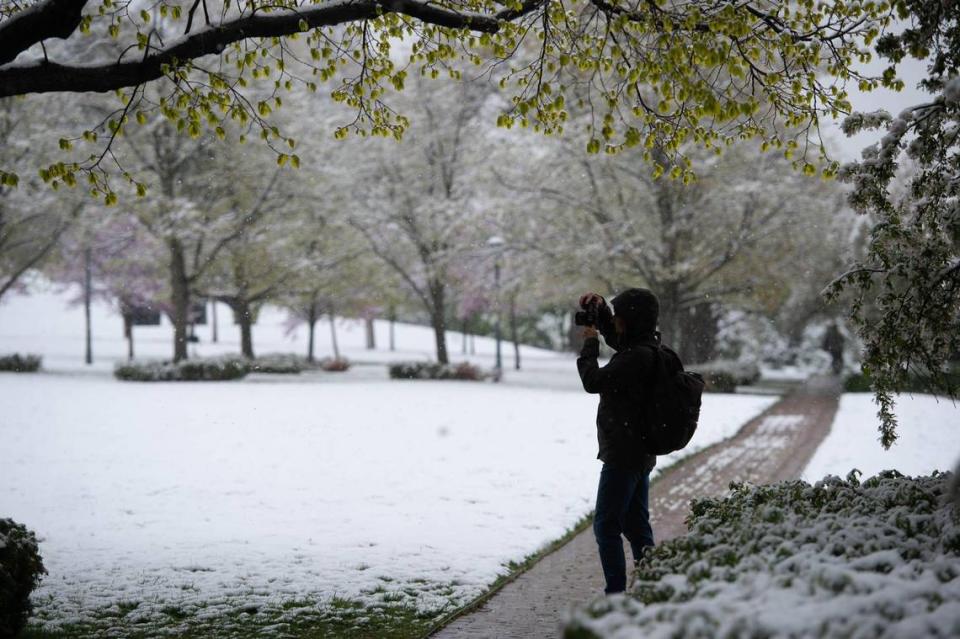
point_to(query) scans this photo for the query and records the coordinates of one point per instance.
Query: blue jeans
(622, 509)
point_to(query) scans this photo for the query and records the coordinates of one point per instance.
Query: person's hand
(589, 331)
(592, 298)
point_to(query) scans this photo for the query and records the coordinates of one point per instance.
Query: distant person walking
(623, 384)
(833, 343)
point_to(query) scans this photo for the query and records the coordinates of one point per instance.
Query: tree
(112, 258)
(198, 205)
(704, 67)
(323, 251)
(31, 219)
(695, 245)
(251, 271)
(910, 275)
(257, 262)
(418, 209)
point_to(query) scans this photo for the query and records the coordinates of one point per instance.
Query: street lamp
(496, 243)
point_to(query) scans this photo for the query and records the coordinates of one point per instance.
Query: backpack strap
(658, 369)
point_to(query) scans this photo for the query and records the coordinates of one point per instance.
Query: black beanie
(639, 307)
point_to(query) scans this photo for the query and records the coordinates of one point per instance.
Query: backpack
(674, 410)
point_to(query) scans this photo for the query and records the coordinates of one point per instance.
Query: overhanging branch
(48, 19)
(47, 77)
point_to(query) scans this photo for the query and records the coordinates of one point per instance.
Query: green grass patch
(381, 614)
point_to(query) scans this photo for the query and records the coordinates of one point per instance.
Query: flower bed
(839, 558)
(335, 364)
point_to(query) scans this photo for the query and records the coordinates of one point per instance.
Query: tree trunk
(463, 335)
(333, 333)
(180, 287)
(128, 333)
(311, 329)
(698, 327)
(213, 319)
(514, 333)
(440, 337)
(245, 320)
(562, 331)
(670, 316)
(87, 295)
(438, 319)
(393, 322)
(371, 334)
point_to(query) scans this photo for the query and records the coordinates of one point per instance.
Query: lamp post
(496, 243)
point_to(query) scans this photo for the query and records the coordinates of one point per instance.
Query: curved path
(775, 445)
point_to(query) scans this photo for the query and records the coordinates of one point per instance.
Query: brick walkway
(774, 446)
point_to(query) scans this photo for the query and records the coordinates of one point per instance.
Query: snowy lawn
(318, 503)
(929, 438)
(48, 322)
(166, 506)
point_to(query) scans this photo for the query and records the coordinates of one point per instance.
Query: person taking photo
(625, 386)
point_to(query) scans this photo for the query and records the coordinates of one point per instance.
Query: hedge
(433, 370)
(836, 559)
(21, 569)
(213, 369)
(16, 363)
(279, 364)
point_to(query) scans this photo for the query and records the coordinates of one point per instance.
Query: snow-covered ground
(210, 497)
(47, 322)
(929, 429)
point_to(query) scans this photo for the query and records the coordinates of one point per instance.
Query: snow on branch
(46, 20)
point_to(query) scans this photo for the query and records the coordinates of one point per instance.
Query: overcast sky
(911, 72)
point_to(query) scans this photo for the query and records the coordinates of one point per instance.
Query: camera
(588, 316)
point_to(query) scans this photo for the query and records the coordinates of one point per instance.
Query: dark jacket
(622, 385)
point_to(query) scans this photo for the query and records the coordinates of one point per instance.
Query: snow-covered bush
(279, 364)
(723, 376)
(21, 569)
(839, 558)
(433, 370)
(335, 364)
(17, 363)
(212, 369)
(749, 337)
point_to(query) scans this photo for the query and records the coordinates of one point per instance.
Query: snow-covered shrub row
(17, 363)
(835, 559)
(20, 571)
(279, 364)
(212, 369)
(723, 376)
(433, 370)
